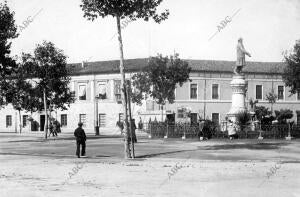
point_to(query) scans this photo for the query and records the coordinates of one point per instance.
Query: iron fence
(176, 130)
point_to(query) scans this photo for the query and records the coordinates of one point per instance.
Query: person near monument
(80, 140)
(232, 130)
(241, 52)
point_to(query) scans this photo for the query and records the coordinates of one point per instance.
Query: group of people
(54, 128)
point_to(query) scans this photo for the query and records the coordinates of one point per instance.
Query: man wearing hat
(80, 140)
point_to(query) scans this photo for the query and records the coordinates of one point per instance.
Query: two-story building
(208, 95)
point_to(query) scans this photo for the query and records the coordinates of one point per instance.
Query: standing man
(80, 140)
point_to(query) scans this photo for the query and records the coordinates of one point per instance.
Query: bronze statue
(240, 62)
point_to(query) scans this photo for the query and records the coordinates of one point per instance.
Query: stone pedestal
(239, 88)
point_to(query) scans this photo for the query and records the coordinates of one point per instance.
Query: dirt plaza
(36, 167)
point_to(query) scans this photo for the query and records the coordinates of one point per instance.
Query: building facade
(207, 95)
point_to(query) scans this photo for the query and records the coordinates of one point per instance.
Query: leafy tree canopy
(291, 75)
(283, 114)
(271, 97)
(8, 31)
(160, 78)
(19, 90)
(134, 9)
(261, 112)
(48, 70)
(242, 119)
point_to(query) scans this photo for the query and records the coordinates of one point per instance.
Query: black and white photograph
(149, 98)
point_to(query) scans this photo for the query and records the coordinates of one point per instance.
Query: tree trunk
(46, 115)
(126, 143)
(162, 113)
(20, 121)
(130, 118)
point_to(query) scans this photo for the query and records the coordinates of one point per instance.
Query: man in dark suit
(80, 140)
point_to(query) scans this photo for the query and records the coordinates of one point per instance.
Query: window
(25, 117)
(298, 95)
(102, 120)
(8, 121)
(118, 91)
(101, 89)
(258, 92)
(149, 105)
(298, 118)
(82, 92)
(215, 118)
(82, 119)
(280, 92)
(194, 118)
(64, 120)
(215, 91)
(193, 91)
(180, 113)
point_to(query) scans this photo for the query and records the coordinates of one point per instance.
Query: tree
(8, 31)
(160, 78)
(19, 92)
(243, 119)
(283, 114)
(262, 112)
(121, 9)
(272, 98)
(291, 74)
(48, 70)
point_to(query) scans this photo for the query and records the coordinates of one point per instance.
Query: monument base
(239, 88)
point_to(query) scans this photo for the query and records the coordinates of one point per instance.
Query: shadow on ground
(257, 146)
(163, 153)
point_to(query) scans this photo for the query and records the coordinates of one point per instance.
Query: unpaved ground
(33, 167)
(24, 176)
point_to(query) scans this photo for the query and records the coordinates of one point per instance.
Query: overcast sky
(268, 27)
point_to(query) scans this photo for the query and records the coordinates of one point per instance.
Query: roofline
(116, 70)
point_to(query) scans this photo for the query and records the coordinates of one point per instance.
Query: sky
(268, 28)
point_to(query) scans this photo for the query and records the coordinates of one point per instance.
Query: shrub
(283, 114)
(243, 119)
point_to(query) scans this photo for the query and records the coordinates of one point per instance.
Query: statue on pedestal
(241, 52)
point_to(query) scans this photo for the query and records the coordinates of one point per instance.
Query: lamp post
(97, 120)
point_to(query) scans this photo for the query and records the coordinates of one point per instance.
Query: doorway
(194, 118)
(42, 122)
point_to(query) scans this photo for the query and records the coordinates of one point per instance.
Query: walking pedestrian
(52, 130)
(80, 140)
(56, 127)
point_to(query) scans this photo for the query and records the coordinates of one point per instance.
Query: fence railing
(161, 129)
